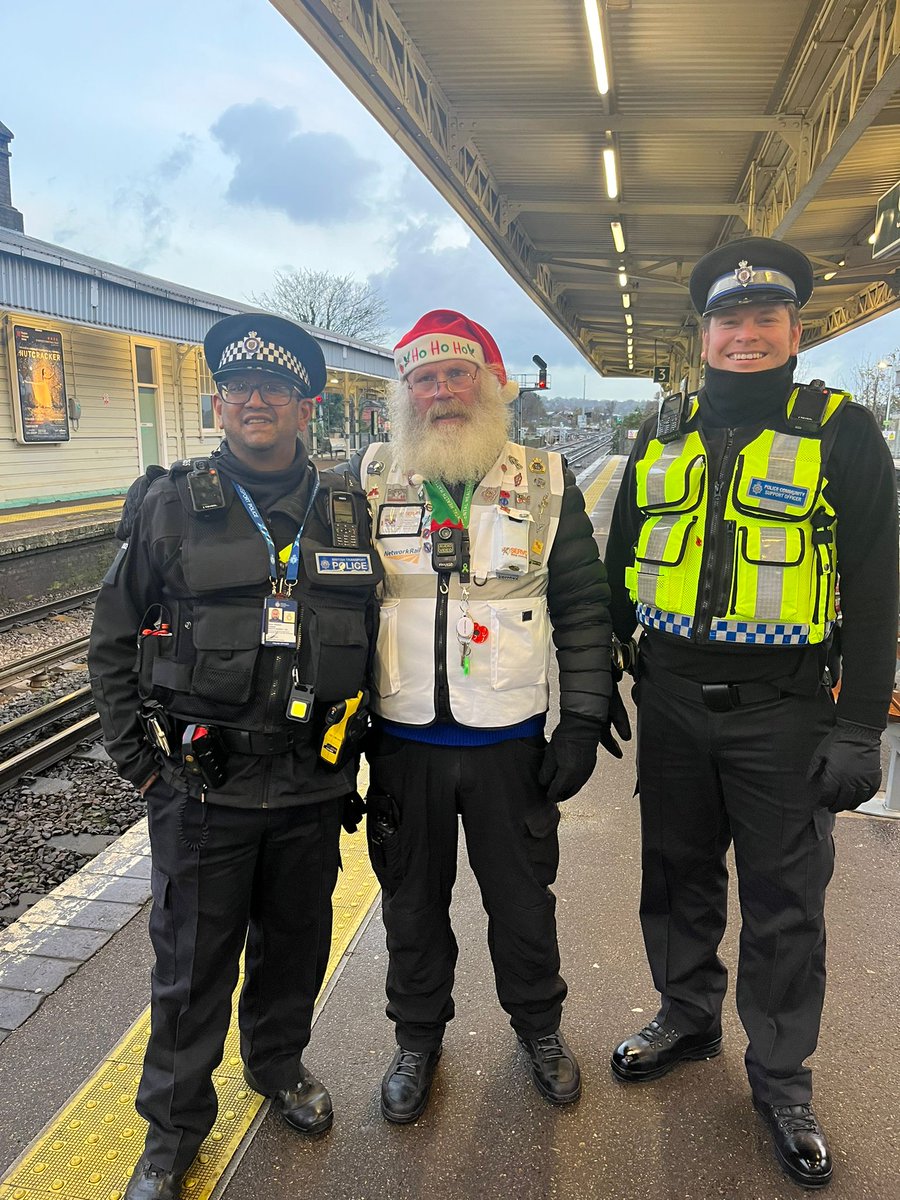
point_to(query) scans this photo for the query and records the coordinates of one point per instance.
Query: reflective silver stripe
(656, 476)
(770, 573)
(781, 465)
(757, 278)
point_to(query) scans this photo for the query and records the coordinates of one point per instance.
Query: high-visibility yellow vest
(748, 559)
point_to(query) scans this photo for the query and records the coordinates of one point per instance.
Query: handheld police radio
(672, 412)
(345, 723)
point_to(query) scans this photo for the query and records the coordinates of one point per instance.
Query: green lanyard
(444, 509)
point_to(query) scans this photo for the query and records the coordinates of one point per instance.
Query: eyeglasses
(457, 379)
(271, 391)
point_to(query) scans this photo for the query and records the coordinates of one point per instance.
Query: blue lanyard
(292, 567)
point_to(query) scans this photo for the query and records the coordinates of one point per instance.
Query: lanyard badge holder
(450, 552)
(281, 612)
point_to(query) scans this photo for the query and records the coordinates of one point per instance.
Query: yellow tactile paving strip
(96, 506)
(599, 486)
(89, 1149)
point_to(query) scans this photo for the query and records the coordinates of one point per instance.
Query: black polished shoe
(800, 1144)
(407, 1083)
(306, 1106)
(152, 1183)
(554, 1068)
(658, 1048)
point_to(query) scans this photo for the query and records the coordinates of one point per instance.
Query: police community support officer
(485, 546)
(244, 822)
(735, 520)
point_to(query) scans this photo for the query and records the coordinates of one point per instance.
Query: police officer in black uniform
(739, 510)
(247, 586)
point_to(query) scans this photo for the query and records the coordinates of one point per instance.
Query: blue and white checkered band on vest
(252, 350)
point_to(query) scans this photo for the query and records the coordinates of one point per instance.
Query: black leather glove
(846, 766)
(353, 811)
(618, 720)
(570, 757)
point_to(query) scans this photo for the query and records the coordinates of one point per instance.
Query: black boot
(799, 1141)
(306, 1106)
(407, 1083)
(658, 1048)
(152, 1183)
(554, 1068)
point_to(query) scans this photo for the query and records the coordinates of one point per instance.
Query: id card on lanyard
(281, 613)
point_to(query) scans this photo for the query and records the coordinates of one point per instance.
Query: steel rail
(48, 752)
(28, 667)
(39, 718)
(52, 608)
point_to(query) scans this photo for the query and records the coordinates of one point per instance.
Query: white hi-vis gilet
(513, 522)
(748, 559)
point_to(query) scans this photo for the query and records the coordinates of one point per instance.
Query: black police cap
(258, 341)
(753, 270)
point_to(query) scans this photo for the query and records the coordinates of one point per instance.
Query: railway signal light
(542, 370)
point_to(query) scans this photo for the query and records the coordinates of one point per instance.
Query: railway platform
(68, 1073)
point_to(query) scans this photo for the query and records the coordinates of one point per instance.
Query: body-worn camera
(205, 487)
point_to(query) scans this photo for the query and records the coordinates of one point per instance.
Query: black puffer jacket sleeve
(578, 604)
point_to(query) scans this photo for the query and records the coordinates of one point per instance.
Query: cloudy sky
(204, 142)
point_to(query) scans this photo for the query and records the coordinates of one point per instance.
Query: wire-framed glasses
(457, 379)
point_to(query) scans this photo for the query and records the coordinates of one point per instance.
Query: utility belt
(205, 748)
(717, 697)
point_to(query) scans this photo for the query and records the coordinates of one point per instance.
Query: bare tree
(874, 384)
(338, 303)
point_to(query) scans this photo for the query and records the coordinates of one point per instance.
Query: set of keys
(468, 631)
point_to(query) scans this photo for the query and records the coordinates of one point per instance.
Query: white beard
(456, 453)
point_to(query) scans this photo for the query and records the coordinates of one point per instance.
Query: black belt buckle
(720, 697)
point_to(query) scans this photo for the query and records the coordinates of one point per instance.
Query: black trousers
(513, 848)
(708, 779)
(221, 875)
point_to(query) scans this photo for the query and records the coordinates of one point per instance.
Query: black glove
(570, 757)
(617, 720)
(846, 766)
(353, 811)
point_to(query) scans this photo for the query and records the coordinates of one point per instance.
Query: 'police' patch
(343, 564)
(781, 493)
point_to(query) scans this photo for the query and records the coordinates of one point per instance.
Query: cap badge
(251, 342)
(744, 273)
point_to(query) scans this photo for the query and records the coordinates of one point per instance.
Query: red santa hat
(444, 334)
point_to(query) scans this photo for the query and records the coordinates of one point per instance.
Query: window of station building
(207, 391)
(144, 365)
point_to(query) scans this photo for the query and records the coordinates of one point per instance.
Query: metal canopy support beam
(613, 208)
(868, 303)
(618, 123)
(368, 47)
(840, 115)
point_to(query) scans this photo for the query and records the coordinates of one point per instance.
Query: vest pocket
(773, 575)
(334, 648)
(661, 578)
(386, 668)
(227, 642)
(520, 643)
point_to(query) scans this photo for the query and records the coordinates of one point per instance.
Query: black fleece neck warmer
(730, 399)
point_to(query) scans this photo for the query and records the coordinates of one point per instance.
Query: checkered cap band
(761, 633)
(253, 351)
(657, 618)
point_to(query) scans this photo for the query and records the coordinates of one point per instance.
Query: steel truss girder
(863, 306)
(370, 40)
(864, 77)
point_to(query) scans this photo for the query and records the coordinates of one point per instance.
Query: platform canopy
(721, 118)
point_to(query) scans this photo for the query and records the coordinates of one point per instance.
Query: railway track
(36, 664)
(27, 616)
